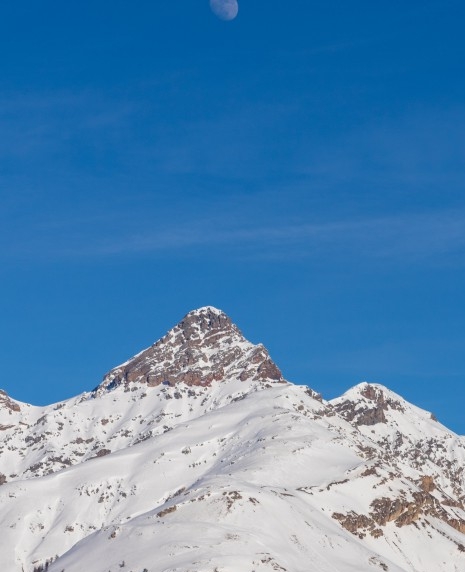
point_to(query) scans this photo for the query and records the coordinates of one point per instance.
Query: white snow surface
(233, 476)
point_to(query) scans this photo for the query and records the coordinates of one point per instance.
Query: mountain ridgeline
(196, 455)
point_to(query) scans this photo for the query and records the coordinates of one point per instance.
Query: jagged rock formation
(204, 347)
(197, 456)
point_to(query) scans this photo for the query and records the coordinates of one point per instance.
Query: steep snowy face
(204, 347)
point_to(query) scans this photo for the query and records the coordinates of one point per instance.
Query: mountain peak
(206, 310)
(367, 404)
(371, 392)
(206, 321)
(204, 347)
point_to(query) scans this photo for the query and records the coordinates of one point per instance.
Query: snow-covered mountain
(197, 456)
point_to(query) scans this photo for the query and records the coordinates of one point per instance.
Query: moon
(224, 9)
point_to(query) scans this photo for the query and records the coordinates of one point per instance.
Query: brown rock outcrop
(361, 413)
(7, 403)
(204, 347)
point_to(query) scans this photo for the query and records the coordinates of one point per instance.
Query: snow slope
(196, 455)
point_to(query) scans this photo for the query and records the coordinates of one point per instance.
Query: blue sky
(301, 167)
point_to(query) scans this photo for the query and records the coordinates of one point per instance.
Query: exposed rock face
(7, 403)
(204, 347)
(403, 511)
(427, 484)
(371, 410)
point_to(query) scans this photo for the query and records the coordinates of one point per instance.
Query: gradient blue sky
(301, 168)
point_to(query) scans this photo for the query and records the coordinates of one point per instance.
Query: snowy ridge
(197, 456)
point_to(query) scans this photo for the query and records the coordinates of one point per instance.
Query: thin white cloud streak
(405, 238)
(381, 236)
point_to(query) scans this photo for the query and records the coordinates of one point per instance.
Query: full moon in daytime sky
(225, 9)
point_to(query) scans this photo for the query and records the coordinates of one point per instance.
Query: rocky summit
(196, 455)
(204, 347)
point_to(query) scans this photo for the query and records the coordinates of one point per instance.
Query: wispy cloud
(352, 195)
(400, 237)
(421, 238)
